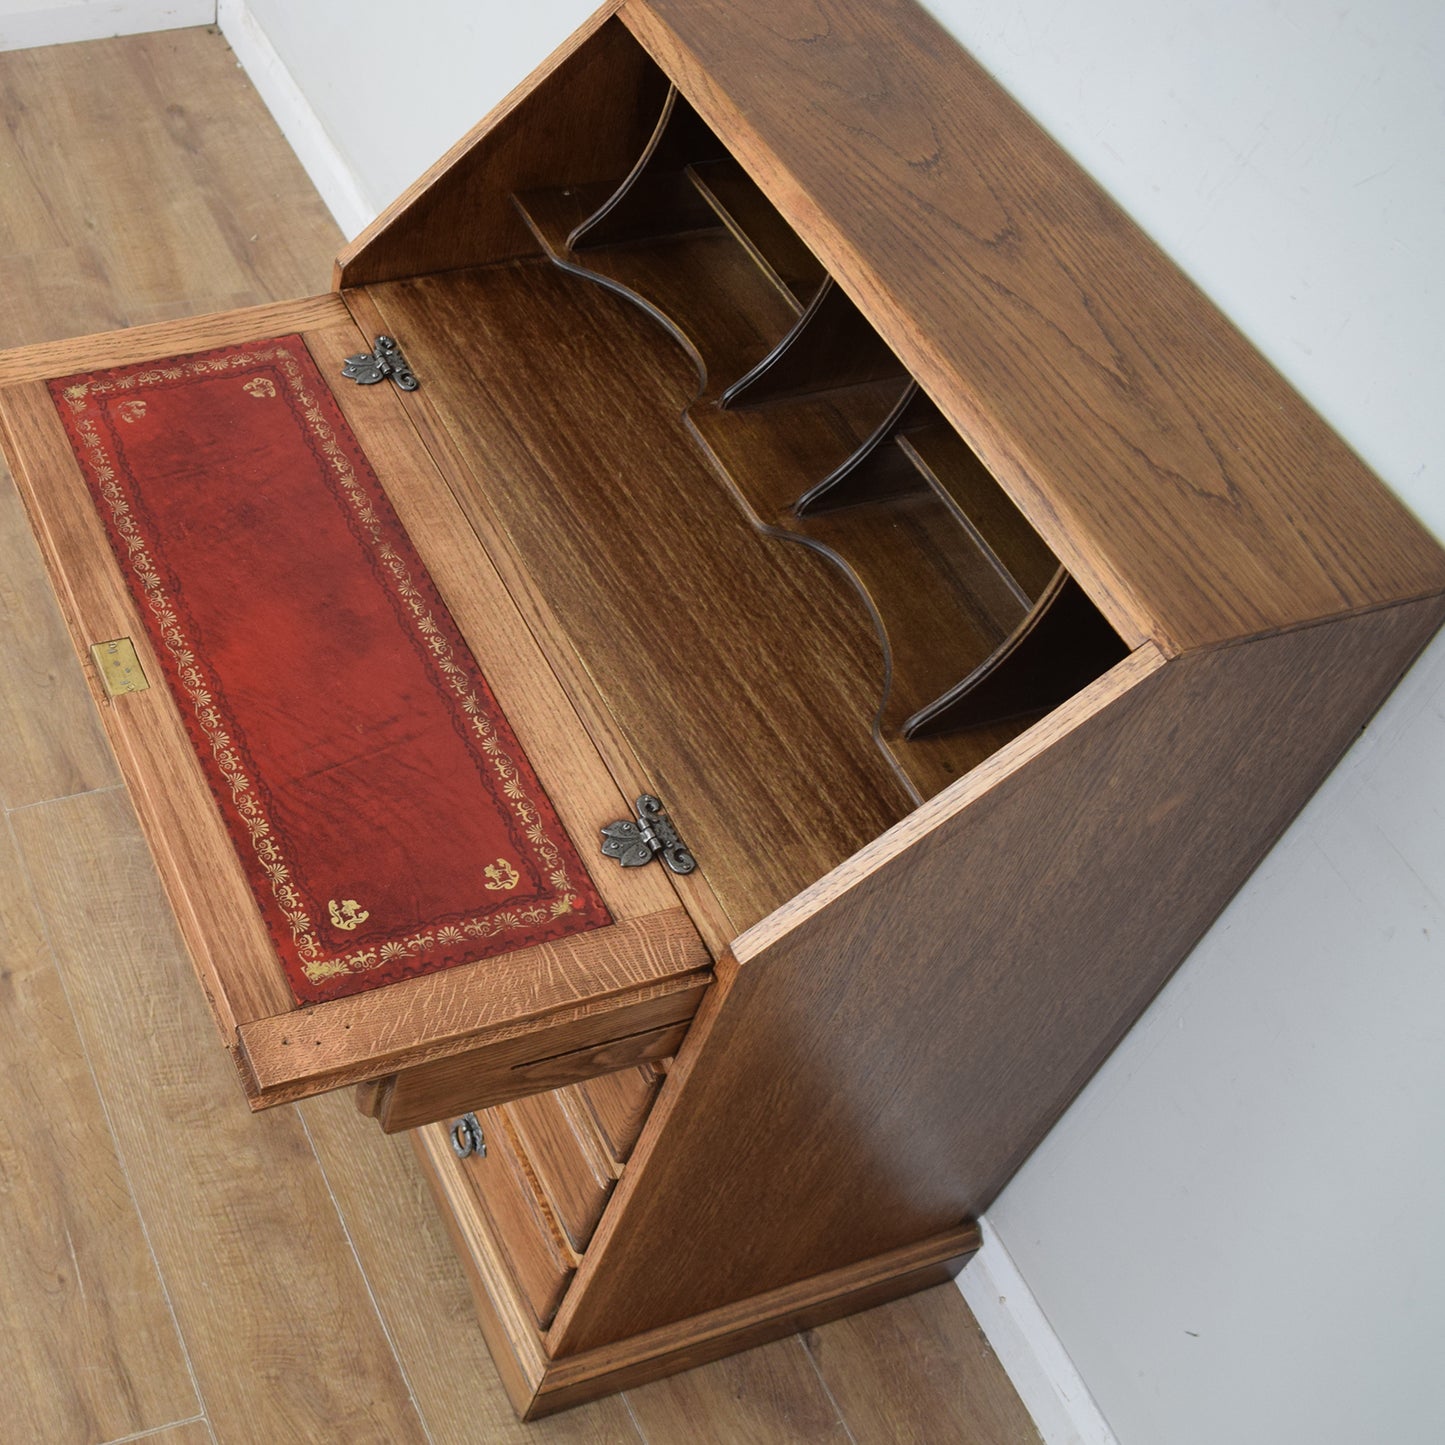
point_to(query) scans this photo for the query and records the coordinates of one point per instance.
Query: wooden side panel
(801, 1306)
(582, 116)
(1151, 445)
(876, 1068)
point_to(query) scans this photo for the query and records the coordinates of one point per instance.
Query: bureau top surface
(1196, 495)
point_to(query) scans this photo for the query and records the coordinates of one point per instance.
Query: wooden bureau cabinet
(803, 439)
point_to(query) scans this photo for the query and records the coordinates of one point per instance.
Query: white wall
(389, 85)
(1236, 1230)
(24, 23)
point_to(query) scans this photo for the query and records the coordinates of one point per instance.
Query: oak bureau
(802, 440)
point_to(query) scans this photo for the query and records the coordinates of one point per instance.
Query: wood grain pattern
(188, 1432)
(196, 857)
(552, 994)
(50, 742)
(511, 1069)
(1151, 446)
(765, 1317)
(262, 1327)
(578, 108)
(1107, 857)
(602, 726)
(764, 1394)
(520, 1217)
(90, 1347)
(423, 1296)
(918, 1371)
(619, 1105)
(168, 338)
(540, 1386)
(507, 1324)
(734, 711)
(167, 186)
(536, 706)
(569, 1160)
(239, 1216)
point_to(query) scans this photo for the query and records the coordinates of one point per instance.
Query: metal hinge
(651, 836)
(366, 368)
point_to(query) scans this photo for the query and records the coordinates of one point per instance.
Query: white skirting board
(314, 147)
(1031, 1353)
(25, 24)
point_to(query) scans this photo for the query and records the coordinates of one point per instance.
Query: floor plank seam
(121, 1161)
(162, 1429)
(365, 1278)
(632, 1415)
(62, 798)
(802, 1340)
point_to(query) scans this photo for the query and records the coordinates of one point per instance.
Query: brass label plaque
(119, 667)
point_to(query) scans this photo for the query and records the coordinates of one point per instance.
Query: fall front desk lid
(387, 820)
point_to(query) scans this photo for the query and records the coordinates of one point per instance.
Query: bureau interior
(801, 596)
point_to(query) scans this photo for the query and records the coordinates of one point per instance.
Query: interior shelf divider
(1060, 646)
(877, 468)
(832, 346)
(657, 196)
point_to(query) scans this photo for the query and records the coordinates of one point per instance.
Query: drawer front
(512, 1069)
(569, 1160)
(542, 1170)
(522, 1222)
(618, 1105)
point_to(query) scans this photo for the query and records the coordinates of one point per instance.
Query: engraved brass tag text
(119, 667)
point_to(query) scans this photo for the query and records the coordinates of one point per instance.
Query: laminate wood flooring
(171, 1267)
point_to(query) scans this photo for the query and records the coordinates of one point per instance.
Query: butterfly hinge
(366, 368)
(652, 835)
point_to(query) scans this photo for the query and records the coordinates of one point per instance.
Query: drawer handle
(467, 1137)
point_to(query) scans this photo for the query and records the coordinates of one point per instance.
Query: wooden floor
(170, 1266)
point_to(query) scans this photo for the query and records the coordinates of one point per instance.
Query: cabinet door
(375, 811)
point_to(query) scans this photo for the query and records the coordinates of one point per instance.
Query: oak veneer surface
(153, 1141)
(899, 1071)
(1154, 449)
(568, 1159)
(566, 401)
(619, 1104)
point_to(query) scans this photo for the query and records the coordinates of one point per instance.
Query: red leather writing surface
(386, 817)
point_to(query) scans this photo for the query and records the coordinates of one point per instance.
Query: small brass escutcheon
(119, 667)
